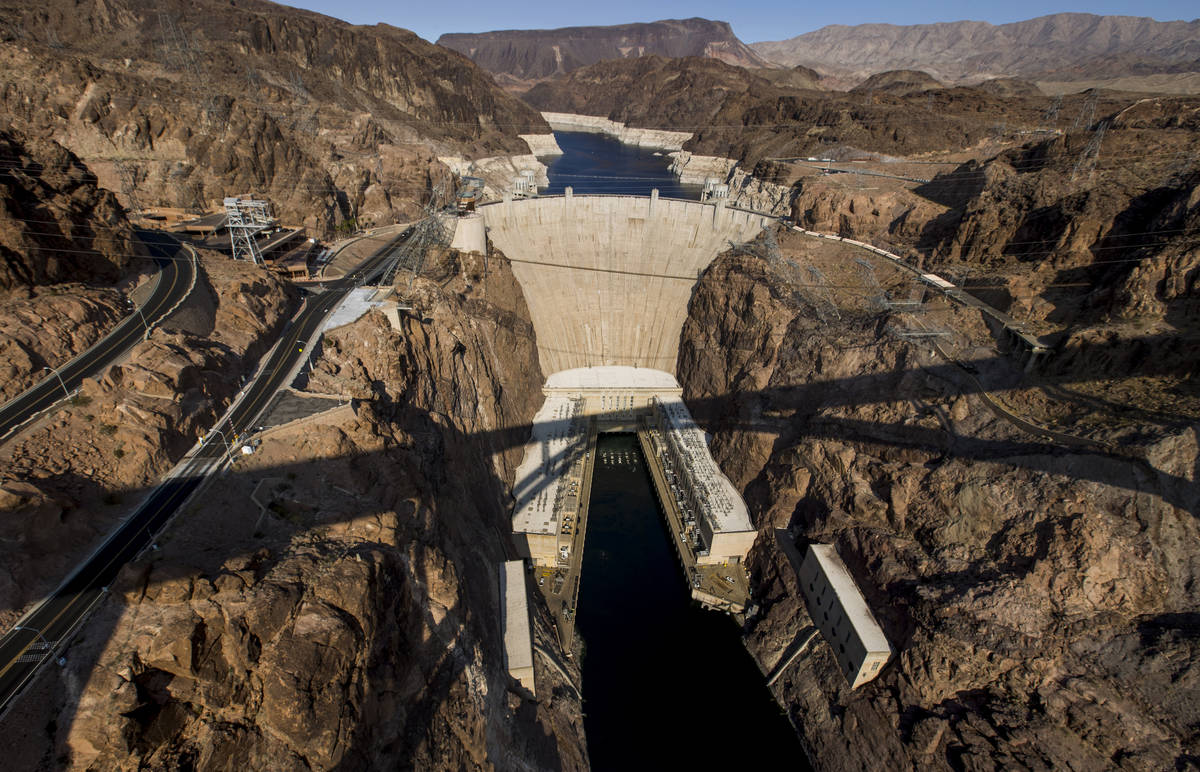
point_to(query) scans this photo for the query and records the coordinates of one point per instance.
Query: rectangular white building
(705, 492)
(559, 437)
(514, 606)
(840, 612)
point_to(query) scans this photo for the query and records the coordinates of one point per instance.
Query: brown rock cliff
(1039, 597)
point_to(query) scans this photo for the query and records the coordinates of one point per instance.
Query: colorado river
(666, 684)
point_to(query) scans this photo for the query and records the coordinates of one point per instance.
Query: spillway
(608, 278)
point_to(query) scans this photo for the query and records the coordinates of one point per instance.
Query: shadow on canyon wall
(782, 411)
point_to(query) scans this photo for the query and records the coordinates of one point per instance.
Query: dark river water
(594, 163)
(666, 684)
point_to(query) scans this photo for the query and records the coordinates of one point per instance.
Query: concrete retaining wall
(542, 144)
(608, 278)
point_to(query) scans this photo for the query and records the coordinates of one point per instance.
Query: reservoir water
(595, 163)
(666, 684)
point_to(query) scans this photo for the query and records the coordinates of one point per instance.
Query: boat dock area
(720, 586)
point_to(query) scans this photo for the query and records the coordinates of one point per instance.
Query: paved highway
(177, 275)
(36, 638)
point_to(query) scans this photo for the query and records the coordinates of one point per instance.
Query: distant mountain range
(533, 55)
(1063, 46)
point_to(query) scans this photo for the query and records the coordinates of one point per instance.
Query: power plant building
(558, 438)
(706, 493)
(619, 398)
(840, 612)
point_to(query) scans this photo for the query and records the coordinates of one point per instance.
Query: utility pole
(66, 392)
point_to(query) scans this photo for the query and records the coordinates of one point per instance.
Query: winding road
(40, 633)
(176, 277)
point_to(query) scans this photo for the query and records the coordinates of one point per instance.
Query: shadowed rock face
(536, 54)
(352, 623)
(56, 223)
(608, 278)
(61, 236)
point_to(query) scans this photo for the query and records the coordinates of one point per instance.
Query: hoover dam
(608, 278)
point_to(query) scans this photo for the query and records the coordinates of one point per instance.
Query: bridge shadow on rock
(340, 612)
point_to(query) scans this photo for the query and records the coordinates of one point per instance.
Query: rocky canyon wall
(333, 603)
(1039, 597)
(62, 240)
(182, 104)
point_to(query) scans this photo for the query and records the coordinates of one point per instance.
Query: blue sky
(752, 20)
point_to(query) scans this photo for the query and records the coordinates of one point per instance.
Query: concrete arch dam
(608, 278)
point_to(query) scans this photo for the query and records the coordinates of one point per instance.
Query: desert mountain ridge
(972, 51)
(532, 55)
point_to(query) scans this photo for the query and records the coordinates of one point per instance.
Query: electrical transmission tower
(1087, 115)
(129, 186)
(767, 248)
(1178, 170)
(879, 300)
(1051, 114)
(254, 80)
(178, 52)
(1087, 160)
(246, 218)
(435, 229)
(822, 288)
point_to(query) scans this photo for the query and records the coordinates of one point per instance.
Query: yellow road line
(73, 601)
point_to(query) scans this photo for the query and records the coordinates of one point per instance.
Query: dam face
(608, 278)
